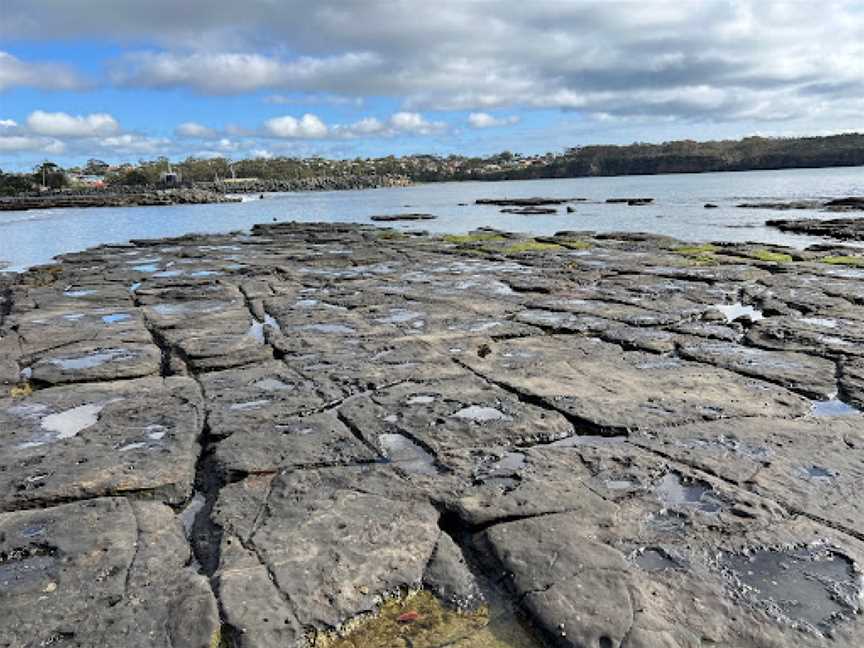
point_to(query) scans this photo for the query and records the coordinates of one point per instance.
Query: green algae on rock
(419, 620)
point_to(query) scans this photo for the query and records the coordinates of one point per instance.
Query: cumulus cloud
(22, 143)
(233, 73)
(48, 76)
(485, 120)
(593, 56)
(61, 124)
(195, 131)
(307, 127)
(412, 122)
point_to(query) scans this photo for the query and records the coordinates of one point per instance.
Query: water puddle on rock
(328, 328)
(400, 316)
(420, 620)
(591, 440)
(677, 492)
(480, 414)
(654, 559)
(420, 399)
(249, 405)
(78, 293)
(407, 455)
(113, 318)
(146, 267)
(92, 360)
(23, 571)
(271, 384)
(502, 472)
(806, 585)
(833, 407)
(817, 473)
(733, 311)
(66, 424)
(824, 322)
(188, 514)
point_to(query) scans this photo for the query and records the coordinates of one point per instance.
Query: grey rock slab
(253, 607)
(583, 585)
(337, 541)
(452, 414)
(811, 465)
(852, 382)
(97, 439)
(44, 330)
(248, 398)
(448, 577)
(543, 480)
(279, 441)
(816, 335)
(93, 363)
(613, 390)
(105, 572)
(809, 375)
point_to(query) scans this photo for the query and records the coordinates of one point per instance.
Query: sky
(125, 80)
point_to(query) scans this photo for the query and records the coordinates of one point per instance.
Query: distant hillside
(696, 157)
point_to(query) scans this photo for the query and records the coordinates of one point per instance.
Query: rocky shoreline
(340, 435)
(137, 198)
(317, 183)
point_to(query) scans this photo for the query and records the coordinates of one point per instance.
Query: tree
(50, 175)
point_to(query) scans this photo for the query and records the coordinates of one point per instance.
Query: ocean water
(32, 237)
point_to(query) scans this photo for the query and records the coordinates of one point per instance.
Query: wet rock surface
(269, 439)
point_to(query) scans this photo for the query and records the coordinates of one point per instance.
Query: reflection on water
(32, 237)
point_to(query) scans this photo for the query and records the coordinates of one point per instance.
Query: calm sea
(33, 237)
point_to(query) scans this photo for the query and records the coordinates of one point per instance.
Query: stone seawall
(278, 439)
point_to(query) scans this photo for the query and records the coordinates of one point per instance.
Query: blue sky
(127, 80)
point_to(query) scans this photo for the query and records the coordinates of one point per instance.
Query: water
(32, 237)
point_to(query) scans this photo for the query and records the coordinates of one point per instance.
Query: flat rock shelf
(339, 435)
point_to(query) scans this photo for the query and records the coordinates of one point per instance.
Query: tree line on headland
(684, 156)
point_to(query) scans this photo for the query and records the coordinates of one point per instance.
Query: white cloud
(595, 54)
(233, 72)
(412, 122)
(6, 124)
(485, 120)
(48, 76)
(24, 143)
(131, 143)
(261, 154)
(60, 124)
(195, 130)
(307, 127)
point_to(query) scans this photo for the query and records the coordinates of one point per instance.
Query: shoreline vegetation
(50, 185)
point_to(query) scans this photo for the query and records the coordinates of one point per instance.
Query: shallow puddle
(271, 384)
(677, 492)
(69, 423)
(818, 473)
(26, 574)
(833, 407)
(736, 310)
(188, 514)
(407, 455)
(804, 585)
(78, 293)
(328, 328)
(113, 318)
(421, 621)
(480, 414)
(654, 559)
(824, 322)
(92, 360)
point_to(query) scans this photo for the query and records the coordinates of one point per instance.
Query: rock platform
(586, 441)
